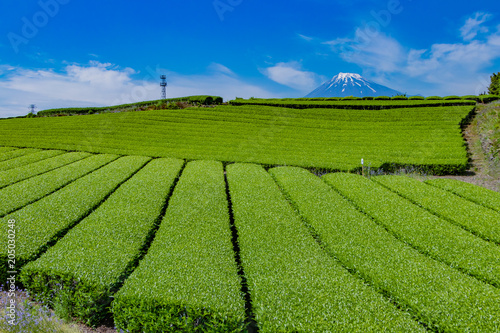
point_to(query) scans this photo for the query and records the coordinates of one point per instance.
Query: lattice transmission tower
(163, 85)
(32, 108)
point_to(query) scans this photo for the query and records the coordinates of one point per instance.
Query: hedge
(24, 192)
(440, 297)
(45, 221)
(293, 284)
(6, 150)
(189, 279)
(324, 138)
(479, 195)
(33, 155)
(201, 100)
(377, 103)
(426, 232)
(479, 220)
(13, 153)
(12, 176)
(84, 269)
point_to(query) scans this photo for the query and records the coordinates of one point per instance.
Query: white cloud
(370, 50)
(306, 38)
(219, 68)
(473, 26)
(290, 74)
(102, 84)
(441, 69)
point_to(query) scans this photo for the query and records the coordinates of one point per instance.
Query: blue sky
(57, 53)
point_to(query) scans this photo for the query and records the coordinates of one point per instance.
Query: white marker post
(362, 167)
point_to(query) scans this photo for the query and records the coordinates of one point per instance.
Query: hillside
(330, 139)
(483, 138)
(148, 221)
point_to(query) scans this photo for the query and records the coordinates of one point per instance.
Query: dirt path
(484, 171)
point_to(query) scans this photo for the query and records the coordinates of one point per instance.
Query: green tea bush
(6, 149)
(199, 100)
(419, 228)
(27, 157)
(375, 103)
(477, 194)
(488, 98)
(24, 192)
(42, 223)
(471, 97)
(189, 279)
(12, 176)
(294, 285)
(8, 154)
(326, 138)
(91, 261)
(479, 220)
(440, 297)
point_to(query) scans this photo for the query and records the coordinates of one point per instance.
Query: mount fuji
(348, 84)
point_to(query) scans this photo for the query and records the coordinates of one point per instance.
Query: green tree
(494, 88)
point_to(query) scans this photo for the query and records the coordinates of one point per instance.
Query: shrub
(91, 261)
(479, 220)
(488, 98)
(471, 98)
(30, 156)
(477, 194)
(173, 287)
(11, 154)
(293, 282)
(435, 294)
(43, 225)
(434, 98)
(24, 192)
(382, 98)
(421, 229)
(26, 171)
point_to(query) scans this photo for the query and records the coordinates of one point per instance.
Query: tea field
(169, 245)
(331, 139)
(252, 218)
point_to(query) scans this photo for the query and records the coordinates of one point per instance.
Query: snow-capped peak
(351, 84)
(346, 76)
